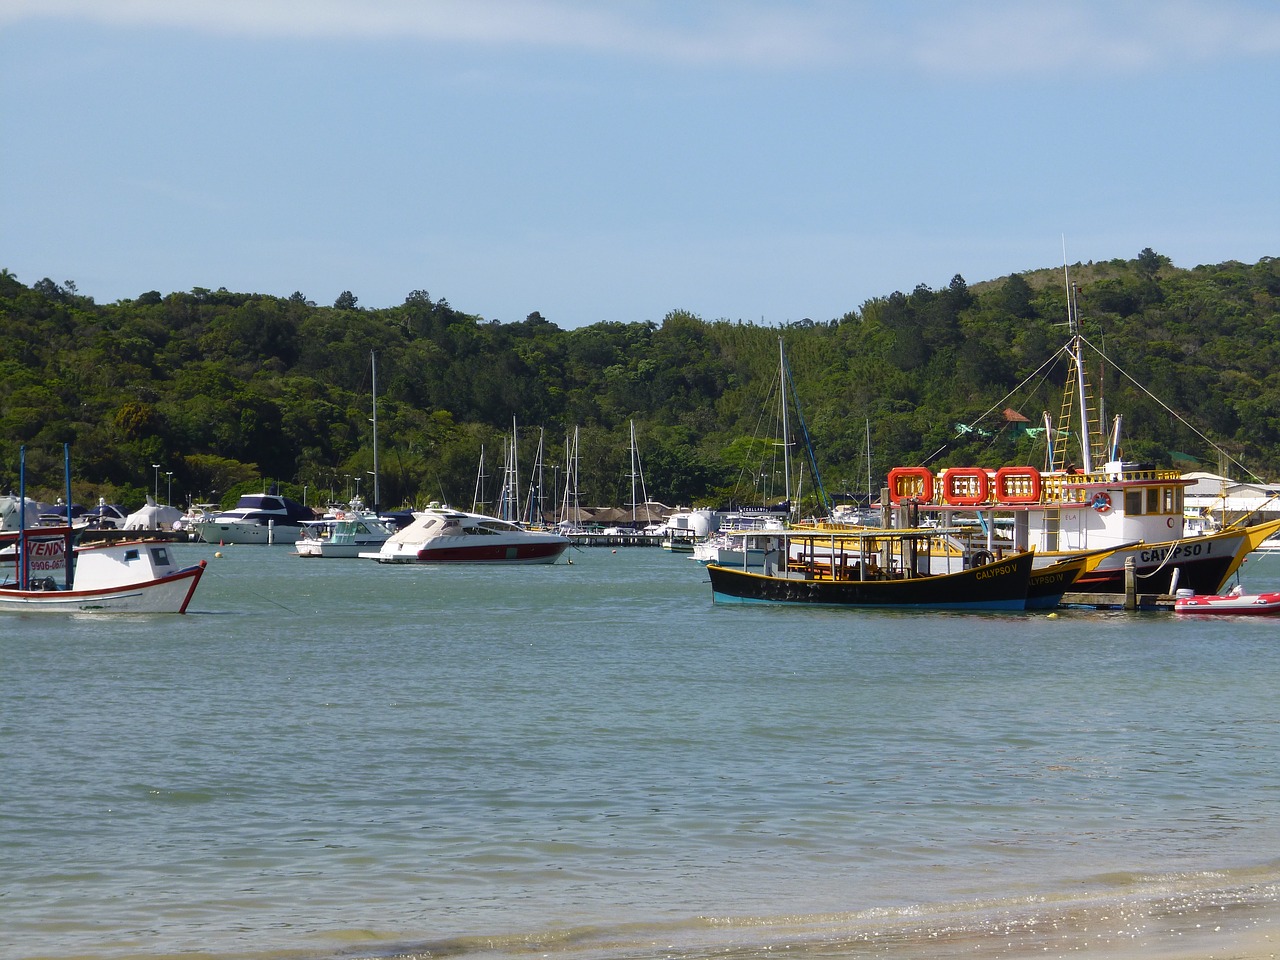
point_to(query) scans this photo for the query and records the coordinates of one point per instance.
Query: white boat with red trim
(136, 576)
(441, 534)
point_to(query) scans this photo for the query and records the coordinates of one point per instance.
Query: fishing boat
(139, 576)
(882, 568)
(441, 534)
(1133, 510)
(50, 574)
(1235, 602)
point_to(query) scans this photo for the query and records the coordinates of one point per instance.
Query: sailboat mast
(633, 471)
(477, 501)
(377, 498)
(870, 498)
(786, 432)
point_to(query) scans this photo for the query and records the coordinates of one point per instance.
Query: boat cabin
(1122, 503)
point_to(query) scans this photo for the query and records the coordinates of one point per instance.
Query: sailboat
(349, 530)
(1127, 514)
(745, 535)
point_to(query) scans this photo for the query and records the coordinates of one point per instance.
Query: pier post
(1130, 584)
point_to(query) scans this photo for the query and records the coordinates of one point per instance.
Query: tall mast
(869, 496)
(477, 500)
(786, 432)
(633, 471)
(373, 360)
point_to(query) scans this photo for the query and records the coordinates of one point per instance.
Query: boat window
(130, 555)
(1133, 502)
(160, 556)
(1170, 499)
(1153, 500)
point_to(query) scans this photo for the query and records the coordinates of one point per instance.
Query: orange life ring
(1100, 501)
(1018, 485)
(906, 483)
(965, 486)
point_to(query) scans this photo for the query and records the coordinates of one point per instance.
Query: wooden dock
(1131, 599)
(1117, 601)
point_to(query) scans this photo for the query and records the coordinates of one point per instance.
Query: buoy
(217, 553)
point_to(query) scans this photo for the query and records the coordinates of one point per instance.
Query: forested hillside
(230, 391)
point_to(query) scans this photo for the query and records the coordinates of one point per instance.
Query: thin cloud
(1022, 38)
(983, 39)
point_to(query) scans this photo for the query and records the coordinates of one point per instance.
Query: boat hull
(1203, 563)
(528, 552)
(1002, 585)
(1046, 585)
(211, 531)
(170, 594)
(341, 551)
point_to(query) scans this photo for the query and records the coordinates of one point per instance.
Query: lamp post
(168, 498)
(156, 466)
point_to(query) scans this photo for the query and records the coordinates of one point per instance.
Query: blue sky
(614, 161)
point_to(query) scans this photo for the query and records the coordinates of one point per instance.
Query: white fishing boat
(136, 576)
(441, 534)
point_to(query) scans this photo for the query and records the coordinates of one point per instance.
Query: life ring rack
(965, 486)
(1016, 485)
(910, 483)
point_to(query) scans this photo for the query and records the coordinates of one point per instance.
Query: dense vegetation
(229, 391)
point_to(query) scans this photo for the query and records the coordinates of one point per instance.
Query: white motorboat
(742, 542)
(256, 518)
(136, 576)
(345, 535)
(441, 534)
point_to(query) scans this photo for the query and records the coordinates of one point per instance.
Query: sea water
(592, 761)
